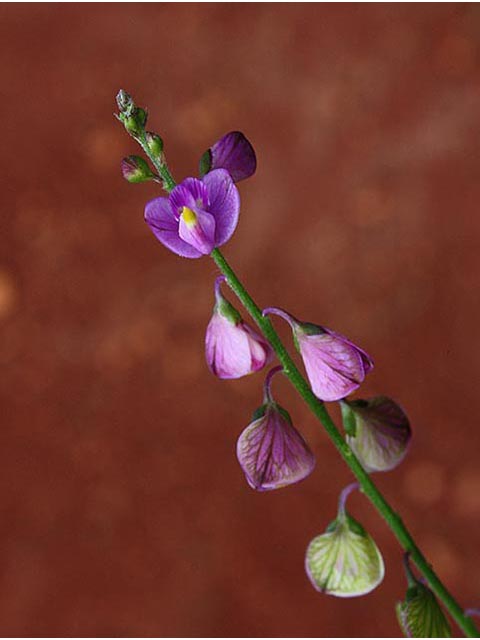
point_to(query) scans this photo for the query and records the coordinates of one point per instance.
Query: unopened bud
(135, 169)
(154, 143)
(420, 615)
(271, 452)
(133, 118)
(232, 348)
(378, 432)
(344, 561)
(124, 102)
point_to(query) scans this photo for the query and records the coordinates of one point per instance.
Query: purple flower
(335, 366)
(197, 216)
(378, 432)
(232, 348)
(234, 153)
(271, 452)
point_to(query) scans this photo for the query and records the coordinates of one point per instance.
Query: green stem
(392, 519)
(161, 167)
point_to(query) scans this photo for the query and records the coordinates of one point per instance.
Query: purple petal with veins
(334, 366)
(234, 350)
(161, 220)
(224, 204)
(272, 453)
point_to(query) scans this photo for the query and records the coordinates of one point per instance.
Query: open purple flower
(234, 153)
(197, 216)
(271, 452)
(232, 348)
(335, 366)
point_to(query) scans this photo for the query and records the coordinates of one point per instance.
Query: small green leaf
(205, 163)
(344, 561)
(420, 615)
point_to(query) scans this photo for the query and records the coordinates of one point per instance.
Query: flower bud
(378, 432)
(344, 561)
(232, 152)
(124, 102)
(136, 169)
(133, 118)
(232, 348)
(335, 366)
(420, 615)
(154, 143)
(271, 452)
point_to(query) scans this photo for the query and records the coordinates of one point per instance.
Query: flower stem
(368, 487)
(344, 495)
(267, 391)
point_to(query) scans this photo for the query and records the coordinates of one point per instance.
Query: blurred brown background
(123, 509)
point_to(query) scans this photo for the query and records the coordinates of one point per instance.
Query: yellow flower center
(189, 216)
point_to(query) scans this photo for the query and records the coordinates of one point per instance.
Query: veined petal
(159, 217)
(420, 615)
(227, 348)
(232, 152)
(366, 359)
(224, 203)
(260, 350)
(190, 193)
(379, 433)
(198, 229)
(334, 367)
(344, 561)
(272, 453)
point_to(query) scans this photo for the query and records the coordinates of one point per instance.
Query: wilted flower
(378, 432)
(197, 216)
(335, 366)
(344, 561)
(234, 153)
(271, 452)
(420, 615)
(232, 348)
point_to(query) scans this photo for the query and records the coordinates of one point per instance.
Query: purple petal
(230, 350)
(190, 193)
(224, 204)
(366, 359)
(159, 217)
(272, 453)
(260, 350)
(234, 153)
(334, 366)
(198, 229)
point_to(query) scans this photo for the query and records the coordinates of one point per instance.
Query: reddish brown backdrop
(123, 509)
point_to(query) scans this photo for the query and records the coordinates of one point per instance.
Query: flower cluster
(197, 216)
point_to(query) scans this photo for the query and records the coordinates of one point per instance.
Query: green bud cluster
(132, 117)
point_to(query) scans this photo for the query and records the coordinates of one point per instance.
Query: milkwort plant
(194, 219)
